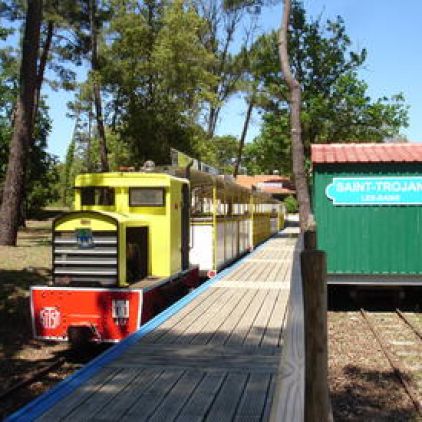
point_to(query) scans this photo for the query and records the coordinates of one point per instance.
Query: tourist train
(138, 241)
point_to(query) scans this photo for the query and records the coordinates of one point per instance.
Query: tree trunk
(41, 67)
(40, 78)
(211, 122)
(23, 127)
(221, 73)
(97, 87)
(298, 157)
(243, 137)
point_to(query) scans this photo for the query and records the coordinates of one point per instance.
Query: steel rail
(397, 367)
(31, 377)
(409, 323)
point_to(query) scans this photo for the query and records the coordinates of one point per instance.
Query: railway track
(411, 325)
(42, 377)
(32, 377)
(401, 342)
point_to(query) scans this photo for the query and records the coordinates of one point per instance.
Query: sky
(390, 30)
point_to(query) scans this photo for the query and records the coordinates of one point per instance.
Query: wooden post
(314, 271)
(309, 239)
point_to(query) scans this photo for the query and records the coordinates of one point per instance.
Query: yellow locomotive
(137, 241)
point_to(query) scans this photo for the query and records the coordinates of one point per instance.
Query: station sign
(375, 191)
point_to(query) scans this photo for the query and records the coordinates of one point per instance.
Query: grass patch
(28, 263)
(33, 250)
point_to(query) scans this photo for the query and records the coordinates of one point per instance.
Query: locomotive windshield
(146, 197)
(93, 195)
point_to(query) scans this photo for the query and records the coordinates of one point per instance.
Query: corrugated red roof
(366, 153)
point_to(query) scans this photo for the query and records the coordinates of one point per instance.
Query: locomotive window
(97, 196)
(146, 197)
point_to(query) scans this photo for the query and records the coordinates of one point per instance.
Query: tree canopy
(158, 73)
(335, 104)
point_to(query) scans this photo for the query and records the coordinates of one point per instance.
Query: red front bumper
(110, 314)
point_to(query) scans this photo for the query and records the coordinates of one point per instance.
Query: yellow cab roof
(126, 179)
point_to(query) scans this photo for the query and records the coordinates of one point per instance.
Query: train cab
(142, 215)
(123, 254)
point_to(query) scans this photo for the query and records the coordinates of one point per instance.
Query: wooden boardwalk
(216, 359)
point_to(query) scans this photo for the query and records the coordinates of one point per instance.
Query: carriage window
(146, 197)
(97, 196)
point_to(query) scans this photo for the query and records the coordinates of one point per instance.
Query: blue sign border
(375, 190)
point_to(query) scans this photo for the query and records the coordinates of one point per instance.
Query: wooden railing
(302, 392)
(289, 396)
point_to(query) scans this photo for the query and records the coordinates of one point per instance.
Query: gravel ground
(362, 383)
(32, 356)
(26, 394)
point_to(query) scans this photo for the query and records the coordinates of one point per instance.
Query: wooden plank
(227, 300)
(280, 246)
(202, 349)
(247, 271)
(152, 397)
(225, 329)
(274, 327)
(185, 317)
(242, 367)
(237, 273)
(260, 324)
(193, 308)
(244, 325)
(265, 270)
(260, 271)
(200, 401)
(252, 404)
(248, 363)
(281, 272)
(288, 404)
(285, 271)
(251, 284)
(273, 268)
(173, 403)
(102, 396)
(128, 396)
(202, 357)
(79, 396)
(214, 323)
(269, 399)
(226, 403)
(242, 269)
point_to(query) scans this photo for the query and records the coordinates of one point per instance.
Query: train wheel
(79, 337)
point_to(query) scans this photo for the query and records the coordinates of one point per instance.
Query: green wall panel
(368, 239)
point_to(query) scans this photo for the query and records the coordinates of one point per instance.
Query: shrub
(291, 204)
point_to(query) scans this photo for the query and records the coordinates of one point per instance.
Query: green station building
(367, 201)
